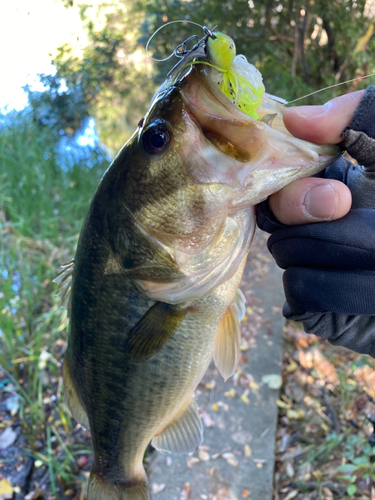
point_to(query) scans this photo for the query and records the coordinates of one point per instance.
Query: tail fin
(100, 490)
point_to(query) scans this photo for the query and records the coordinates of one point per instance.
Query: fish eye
(155, 139)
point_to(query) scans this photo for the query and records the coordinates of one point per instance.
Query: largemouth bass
(153, 291)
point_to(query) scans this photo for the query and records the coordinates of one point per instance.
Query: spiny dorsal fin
(183, 435)
(227, 343)
(153, 331)
(64, 280)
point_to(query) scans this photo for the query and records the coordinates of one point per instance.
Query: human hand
(316, 199)
(329, 267)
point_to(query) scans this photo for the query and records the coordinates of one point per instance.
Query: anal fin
(227, 342)
(183, 435)
(71, 397)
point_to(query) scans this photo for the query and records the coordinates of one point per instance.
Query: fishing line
(331, 86)
(174, 52)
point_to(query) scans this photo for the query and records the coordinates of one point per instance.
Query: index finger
(323, 124)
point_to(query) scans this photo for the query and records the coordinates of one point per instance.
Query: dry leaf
(289, 469)
(245, 399)
(203, 455)
(253, 385)
(7, 438)
(190, 461)
(273, 380)
(328, 495)
(6, 490)
(230, 394)
(282, 404)
(247, 450)
(292, 367)
(295, 414)
(207, 420)
(245, 493)
(157, 488)
(291, 494)
(229, 457)
(185, 492)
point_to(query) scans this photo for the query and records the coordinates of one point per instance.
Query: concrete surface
(236, 459)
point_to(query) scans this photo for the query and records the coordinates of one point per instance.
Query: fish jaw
(266, 157)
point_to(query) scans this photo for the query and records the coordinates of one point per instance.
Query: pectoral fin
(153, 331)
(227, 343)
(183, 435)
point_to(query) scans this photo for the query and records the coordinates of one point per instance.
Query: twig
(332, 414)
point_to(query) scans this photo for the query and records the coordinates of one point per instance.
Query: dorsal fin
(64, 280)
(227, 343)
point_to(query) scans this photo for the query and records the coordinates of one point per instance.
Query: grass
(42, 207)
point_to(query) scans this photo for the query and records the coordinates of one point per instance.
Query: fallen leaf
(289, 470)
(157, 488)
(295, 414)
(207, 420)
(317, 474)
(245, 493)
(328, 495)
(190, 461)
(210, 385)
(247, 450)
(292, 367)
(291, 494)
(282, 404)
(245, 399)
(12, 404)
(273, 380)
(7, 438)
(230, 394)
(203, 455)
(6, 490)
(185, 492)
(232, 461)
(253, 385)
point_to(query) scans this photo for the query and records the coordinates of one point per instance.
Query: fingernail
(320, 202)
(311, 111)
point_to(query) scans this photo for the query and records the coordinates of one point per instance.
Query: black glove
(329, 280)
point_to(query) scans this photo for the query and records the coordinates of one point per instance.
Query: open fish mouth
(231, 130)
(228, 128)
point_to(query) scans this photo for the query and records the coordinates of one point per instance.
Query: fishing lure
(239, 80)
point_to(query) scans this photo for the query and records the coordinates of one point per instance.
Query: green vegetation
(42, 207)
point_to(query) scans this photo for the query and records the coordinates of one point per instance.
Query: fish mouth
(227, 127)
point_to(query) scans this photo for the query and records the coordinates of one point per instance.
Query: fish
(153, 291)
